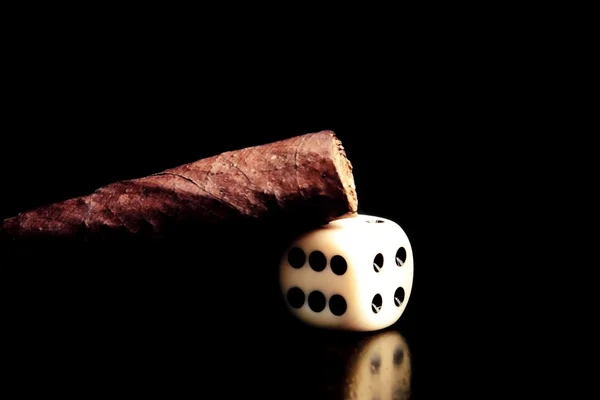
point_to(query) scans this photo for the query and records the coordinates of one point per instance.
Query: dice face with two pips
(351, 274)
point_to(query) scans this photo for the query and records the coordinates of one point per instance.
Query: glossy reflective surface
(196, 319)
(375, 366)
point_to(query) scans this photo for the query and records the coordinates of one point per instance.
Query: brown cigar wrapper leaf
(305, 179)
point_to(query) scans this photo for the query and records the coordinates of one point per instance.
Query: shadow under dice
(353, 274)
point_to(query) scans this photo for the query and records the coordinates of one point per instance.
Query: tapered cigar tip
(307, 177)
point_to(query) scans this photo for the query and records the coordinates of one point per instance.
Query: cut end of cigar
(343, 167)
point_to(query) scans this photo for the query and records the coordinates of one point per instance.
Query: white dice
(351, 274)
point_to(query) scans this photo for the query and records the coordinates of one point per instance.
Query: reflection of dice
(381, 369)
(356, 367)
(353, 273)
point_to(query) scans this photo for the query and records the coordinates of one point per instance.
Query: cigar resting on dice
(343, 270)
(303, 178)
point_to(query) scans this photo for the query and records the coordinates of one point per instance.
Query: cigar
(306, 178)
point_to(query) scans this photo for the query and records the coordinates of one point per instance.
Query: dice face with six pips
(353, 274)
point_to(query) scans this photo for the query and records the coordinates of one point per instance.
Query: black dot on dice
(316, 301)
(337, 305)
(398, 356)
(375, 364)
(317, 261)
(401, 256)
(378, 262)
(296, 257)
(399, 297)
(339, 265)
(295, 297)
(376, 303)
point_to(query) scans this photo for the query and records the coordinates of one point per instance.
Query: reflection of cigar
(304, 178)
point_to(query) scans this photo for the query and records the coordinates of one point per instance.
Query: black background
(154, 316)
(452, 116)
(149, 311)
